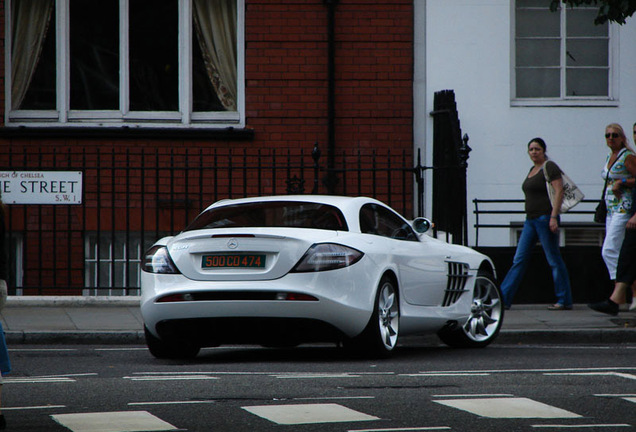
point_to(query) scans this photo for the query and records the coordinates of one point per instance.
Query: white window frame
(185, 118)
(611, 100)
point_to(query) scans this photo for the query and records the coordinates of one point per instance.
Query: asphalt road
(422, 387)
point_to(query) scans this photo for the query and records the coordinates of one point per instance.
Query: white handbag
(572, 195)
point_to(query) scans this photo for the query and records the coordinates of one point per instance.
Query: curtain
(29, 22)
(215, 24)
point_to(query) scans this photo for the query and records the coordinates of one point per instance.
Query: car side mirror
(421, 225)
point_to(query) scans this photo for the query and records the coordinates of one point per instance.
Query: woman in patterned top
(618, 194)
(620, 168)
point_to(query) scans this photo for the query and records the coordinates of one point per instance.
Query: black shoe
(606, 306)
(3, 422)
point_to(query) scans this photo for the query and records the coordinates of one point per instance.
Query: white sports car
(282, 270)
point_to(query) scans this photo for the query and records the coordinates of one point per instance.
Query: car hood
(255, 253)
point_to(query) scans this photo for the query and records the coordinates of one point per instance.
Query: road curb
(75, 337)
(72, 301)
(565, 336)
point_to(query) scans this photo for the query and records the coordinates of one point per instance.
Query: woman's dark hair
(540, 142)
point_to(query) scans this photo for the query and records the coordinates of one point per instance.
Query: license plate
(233, 261)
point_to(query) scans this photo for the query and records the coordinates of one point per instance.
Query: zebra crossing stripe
(308, 413)
(508, 408)
(120, 421)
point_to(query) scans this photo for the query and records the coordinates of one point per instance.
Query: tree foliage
(608, 10)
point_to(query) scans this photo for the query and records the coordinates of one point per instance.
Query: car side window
(368, 220)
(378, 220)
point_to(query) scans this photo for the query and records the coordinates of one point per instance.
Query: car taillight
(327, 256)
(157, 260)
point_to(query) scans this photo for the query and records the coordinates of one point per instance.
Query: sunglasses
(613, 135)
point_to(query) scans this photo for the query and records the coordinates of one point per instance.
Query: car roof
(342, 202)
(349, 205)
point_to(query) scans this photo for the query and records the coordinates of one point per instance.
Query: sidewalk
(64, 319)
(117, 320)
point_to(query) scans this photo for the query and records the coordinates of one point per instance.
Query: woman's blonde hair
(620, 130)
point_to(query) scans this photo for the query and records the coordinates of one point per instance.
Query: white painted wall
(468, 49)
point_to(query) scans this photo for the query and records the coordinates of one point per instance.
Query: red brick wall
(286, 73)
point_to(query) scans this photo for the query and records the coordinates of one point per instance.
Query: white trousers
(614, 235)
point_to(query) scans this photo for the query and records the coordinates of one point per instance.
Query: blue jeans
(534, 229)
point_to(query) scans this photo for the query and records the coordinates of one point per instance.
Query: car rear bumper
(244, 312)
(248, 330)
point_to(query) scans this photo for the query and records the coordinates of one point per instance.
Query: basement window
(112, 262)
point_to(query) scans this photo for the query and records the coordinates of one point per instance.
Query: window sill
(582, 103)
(170, 133)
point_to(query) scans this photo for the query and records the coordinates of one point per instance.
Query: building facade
(163, 107)
(520, 71)
(166, 106)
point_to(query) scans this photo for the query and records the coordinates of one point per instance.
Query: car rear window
(281, 214)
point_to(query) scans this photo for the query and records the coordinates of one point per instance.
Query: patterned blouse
(617, 173)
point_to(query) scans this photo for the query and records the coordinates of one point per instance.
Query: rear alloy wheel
(175, 350)
(484, 322)
(381, 335)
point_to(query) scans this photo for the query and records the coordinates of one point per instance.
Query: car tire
(380, 336)
(174, 350)
(484, 320)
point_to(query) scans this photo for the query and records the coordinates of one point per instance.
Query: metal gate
(450, 157)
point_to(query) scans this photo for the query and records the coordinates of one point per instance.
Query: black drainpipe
(331, 179)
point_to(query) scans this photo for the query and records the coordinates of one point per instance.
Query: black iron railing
(131, 196)
(489, 209)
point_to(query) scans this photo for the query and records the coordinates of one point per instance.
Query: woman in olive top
(542, 223)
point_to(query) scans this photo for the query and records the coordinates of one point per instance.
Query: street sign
(41, 187)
